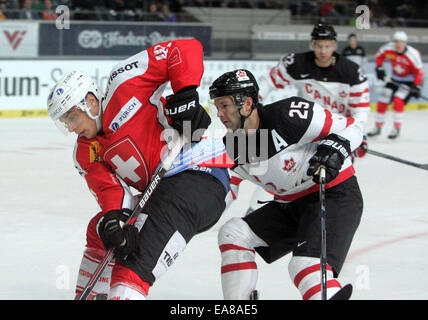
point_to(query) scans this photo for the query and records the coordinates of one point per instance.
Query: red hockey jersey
(407, 66)
(129, 150)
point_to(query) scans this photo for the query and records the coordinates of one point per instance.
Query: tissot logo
(15, 37)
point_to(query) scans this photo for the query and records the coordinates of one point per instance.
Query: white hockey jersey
(341, 88)
(288, 136)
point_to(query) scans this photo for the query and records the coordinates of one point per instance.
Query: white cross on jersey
(126, 169)
(398, 69)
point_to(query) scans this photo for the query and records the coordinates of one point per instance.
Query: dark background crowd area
(382, 12)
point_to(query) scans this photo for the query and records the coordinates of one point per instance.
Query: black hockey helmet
(323, 31)
(239, 84)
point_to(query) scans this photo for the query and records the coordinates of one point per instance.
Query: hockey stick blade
(344, 293)
(254, 295)
(423, 166)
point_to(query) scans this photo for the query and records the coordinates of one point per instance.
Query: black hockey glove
(415, 91)
(115, 234)
(184, 106)
(331, 153)
(361, 151)
(380, 73)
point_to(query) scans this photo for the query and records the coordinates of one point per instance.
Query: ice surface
(45, 207)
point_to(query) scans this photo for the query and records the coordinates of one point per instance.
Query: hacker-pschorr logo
(90, 39)
(93, 39)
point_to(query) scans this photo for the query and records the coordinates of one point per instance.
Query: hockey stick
(153, 184)
(323, 258)
(389, 79)
(423, 166)
(345, 292)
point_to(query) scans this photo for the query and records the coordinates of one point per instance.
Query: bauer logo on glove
(335, 145)
(180, 109)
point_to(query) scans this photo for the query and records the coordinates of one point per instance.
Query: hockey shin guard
(90, 261)
(239, 269)
(380, 114)
(127, 285)
(305, 272)
(398, 112)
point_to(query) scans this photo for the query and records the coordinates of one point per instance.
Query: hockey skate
(375, 132)
(394, 133)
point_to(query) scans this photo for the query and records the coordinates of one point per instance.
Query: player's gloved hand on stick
(114, 233)
(380, 73)
(415, 91)
(361, 151)
(331, 153)
(184, 106)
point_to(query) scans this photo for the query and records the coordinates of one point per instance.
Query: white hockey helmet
(400, 36)
(70, 92)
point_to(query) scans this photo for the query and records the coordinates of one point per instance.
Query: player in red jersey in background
(405, 82)
(120, 143)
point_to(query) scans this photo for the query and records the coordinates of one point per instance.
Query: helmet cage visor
(70, 118)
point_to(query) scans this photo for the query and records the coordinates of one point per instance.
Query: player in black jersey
(324, 76)
(355, 52)
(280, 147)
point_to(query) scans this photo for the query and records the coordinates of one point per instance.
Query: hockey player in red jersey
(120, 143)
(292, 138)
(406, 81)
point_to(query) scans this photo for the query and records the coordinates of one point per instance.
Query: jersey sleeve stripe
(359, 105)
(235, 180)
(349, 121)
(358, 94)
(326, 127)
(279, 73)
(276, 84)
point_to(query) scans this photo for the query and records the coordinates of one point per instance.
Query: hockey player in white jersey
(280, 147)
(325, 77)
(405, 82)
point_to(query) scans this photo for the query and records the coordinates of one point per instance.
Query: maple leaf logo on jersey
(343, 94)
(289, 164)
